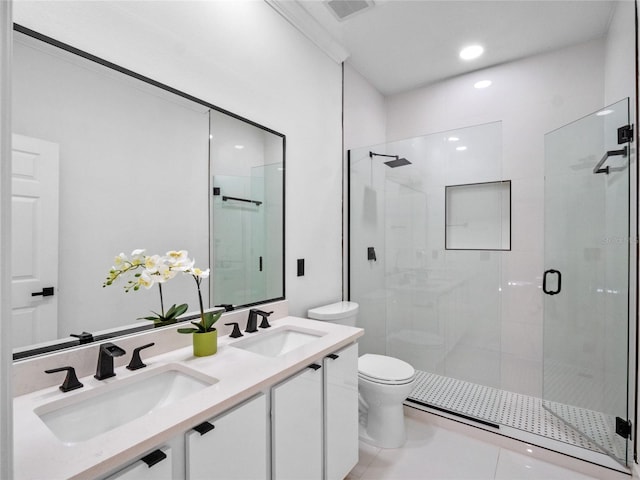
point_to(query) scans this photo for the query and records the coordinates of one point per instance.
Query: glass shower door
(586, 277)
(238, 233)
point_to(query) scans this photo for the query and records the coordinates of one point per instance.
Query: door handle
(544, 282)
(46, 292)
(611, 153)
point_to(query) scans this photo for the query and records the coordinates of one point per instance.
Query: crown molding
(299, 17)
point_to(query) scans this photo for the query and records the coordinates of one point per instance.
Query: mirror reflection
(105, 163)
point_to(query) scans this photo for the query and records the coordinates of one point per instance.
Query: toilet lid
(383, 369)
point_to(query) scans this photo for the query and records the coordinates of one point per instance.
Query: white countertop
(39, 454)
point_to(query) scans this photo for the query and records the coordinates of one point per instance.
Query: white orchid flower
(145, 280)
(153, 263)
(179, 260)
(177, 256)
(137, 256)
(164, 273)
(120, 260)
(199, 273)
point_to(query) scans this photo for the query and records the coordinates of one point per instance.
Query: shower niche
(478, 216)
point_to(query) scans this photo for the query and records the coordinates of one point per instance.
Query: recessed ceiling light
(482, 84)
(239, 147)
(453, 139)
(602, 113)
(471, 52)
(461, 148)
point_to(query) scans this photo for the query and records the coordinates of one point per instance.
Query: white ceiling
(399, 45)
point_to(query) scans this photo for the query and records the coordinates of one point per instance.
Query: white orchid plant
(148, 270)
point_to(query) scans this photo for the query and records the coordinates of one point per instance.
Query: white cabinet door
(236, 448)
(155, 466)
(341, 412)
(297, 426)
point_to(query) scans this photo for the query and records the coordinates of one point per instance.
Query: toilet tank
(342, 313)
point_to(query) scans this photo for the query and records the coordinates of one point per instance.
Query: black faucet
(252, 322)
(105, 360)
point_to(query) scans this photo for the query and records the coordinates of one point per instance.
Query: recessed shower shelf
(478, 216)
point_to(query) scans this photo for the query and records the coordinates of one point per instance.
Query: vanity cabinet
(233, 445)
(235, 448)
(315, 420)
(304, 428)
(296, 428)
(341, 412)
(155, 466)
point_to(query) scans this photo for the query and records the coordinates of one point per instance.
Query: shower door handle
(544, 282)
(611, 153)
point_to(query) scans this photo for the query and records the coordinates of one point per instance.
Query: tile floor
(433, 452)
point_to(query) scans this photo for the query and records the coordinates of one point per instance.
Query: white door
(34, 237)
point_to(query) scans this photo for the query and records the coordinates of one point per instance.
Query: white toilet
(383, 383)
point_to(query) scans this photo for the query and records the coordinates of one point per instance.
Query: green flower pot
(205, 344)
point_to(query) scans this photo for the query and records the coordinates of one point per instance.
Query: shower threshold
(519, 416)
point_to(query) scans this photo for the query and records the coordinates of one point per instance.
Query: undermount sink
(278, 342)
(91, 413)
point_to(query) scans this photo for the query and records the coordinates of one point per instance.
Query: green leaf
(176, 310)
(187, 330)
(160, 323)
(210, 319)
(198, 326)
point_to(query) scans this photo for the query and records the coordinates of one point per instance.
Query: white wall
(365, 117)
(619, 68)
(241, 56)
(6, 387)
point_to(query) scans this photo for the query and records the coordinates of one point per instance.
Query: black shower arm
(371, 155)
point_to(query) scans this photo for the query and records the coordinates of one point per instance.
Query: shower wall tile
(520, 375)
(522, 299)
(523, 340)
(473, 365)
(527, 214)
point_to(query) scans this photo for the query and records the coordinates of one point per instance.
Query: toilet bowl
(383, 383)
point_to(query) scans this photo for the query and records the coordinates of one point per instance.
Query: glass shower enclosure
(509, 331)
(425, 250)
(586, 277)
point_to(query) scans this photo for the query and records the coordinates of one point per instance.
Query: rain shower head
(398, 162)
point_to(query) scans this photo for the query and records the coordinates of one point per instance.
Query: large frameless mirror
(106, 162)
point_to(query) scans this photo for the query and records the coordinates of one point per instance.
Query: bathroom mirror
(106, 161)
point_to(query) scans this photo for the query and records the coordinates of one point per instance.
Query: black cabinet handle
(333, 356)
(154, 457)
(46, 292)
(204, 427)
(314, 366)
(544, 282)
